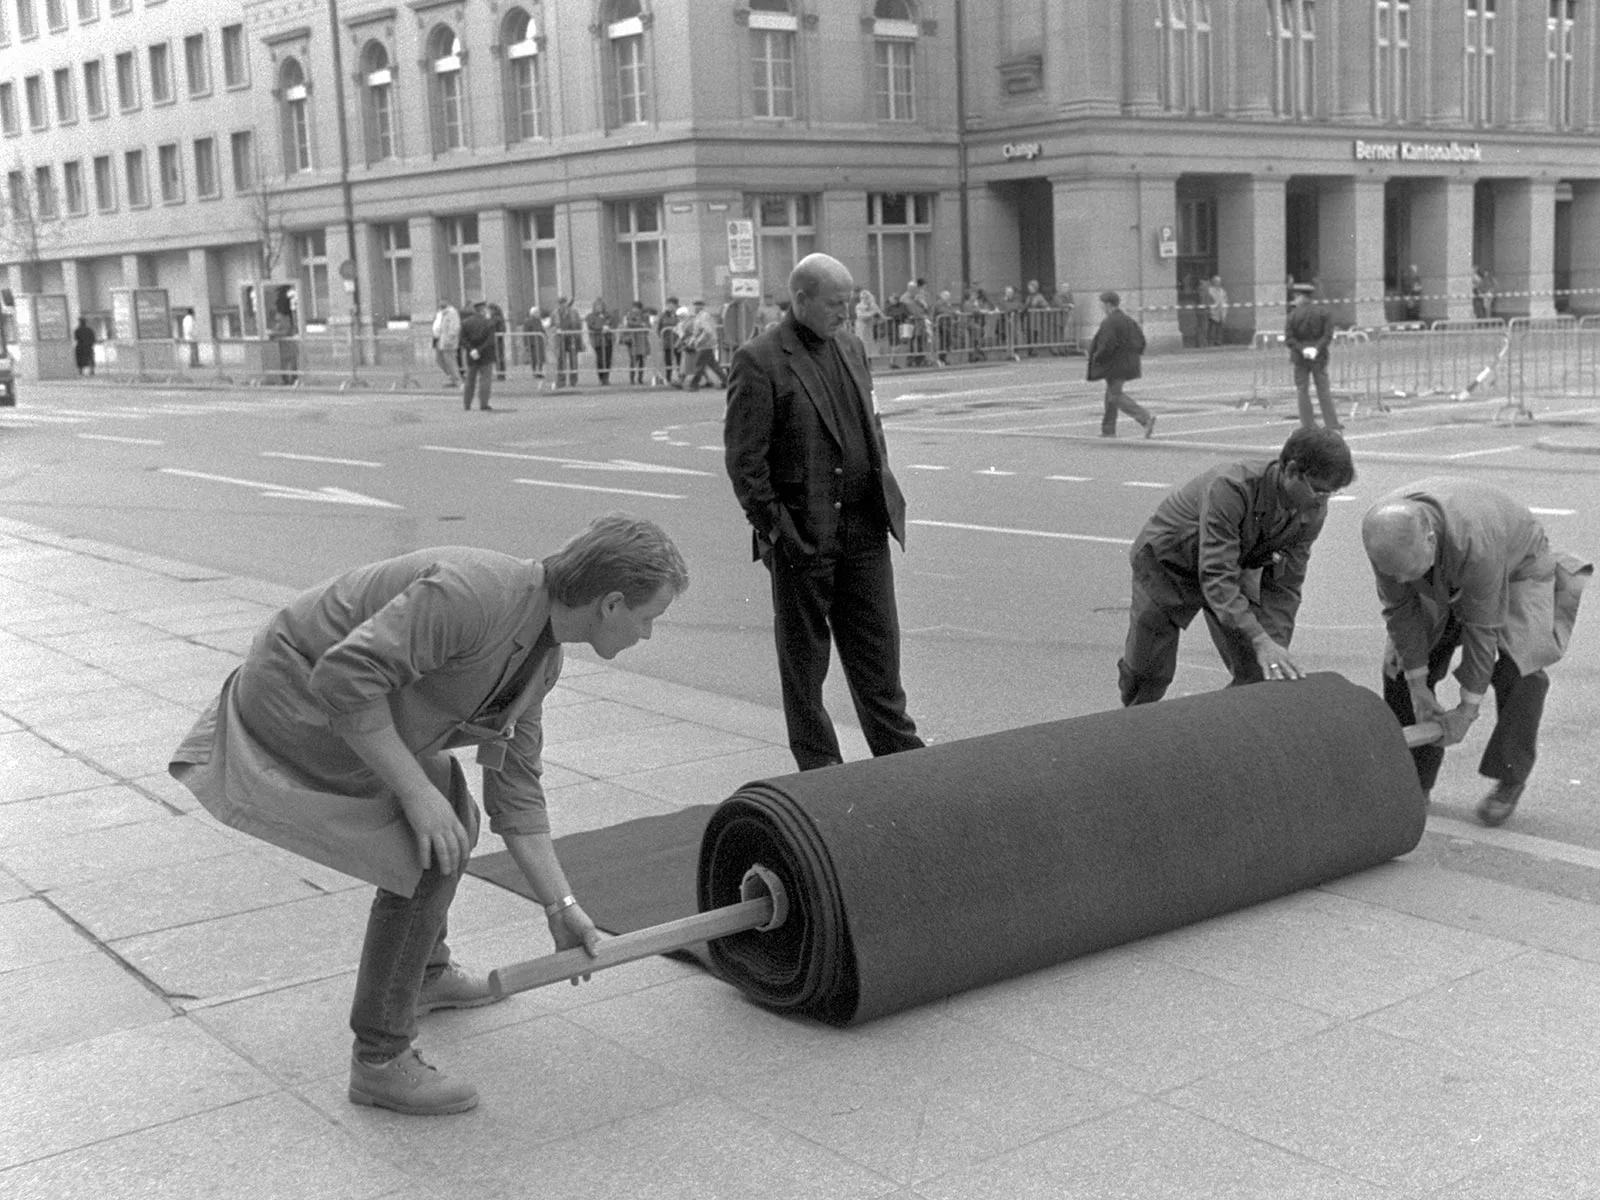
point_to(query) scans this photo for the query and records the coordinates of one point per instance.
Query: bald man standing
(1462, 564)
(809, 466)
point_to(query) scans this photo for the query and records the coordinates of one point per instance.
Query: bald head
(819, 290)
(1399, 539)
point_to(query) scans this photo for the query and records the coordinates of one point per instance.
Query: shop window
(1294, 59)
(1559, 61)
(1183, 51)
(628, 88)
(899, 240)
(523, 102)
(311, 252)
(786, 232)
(295, 122)
(641, 251)
(536, 228)
(1391, 60)
(377, 102)
(772, 41)
(1479, 75)
(894, 49)
(394, 252)
(446, 91)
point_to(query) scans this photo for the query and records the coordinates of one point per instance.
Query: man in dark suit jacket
(1114, 357)
(806, 455)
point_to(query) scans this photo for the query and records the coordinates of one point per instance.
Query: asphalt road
(1013, 589)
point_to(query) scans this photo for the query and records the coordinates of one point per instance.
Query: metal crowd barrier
(947, 339)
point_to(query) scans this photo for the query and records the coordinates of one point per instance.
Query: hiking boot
(408, 1085)
(454, 988)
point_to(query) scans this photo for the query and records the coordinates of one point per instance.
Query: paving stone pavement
(172, 1015)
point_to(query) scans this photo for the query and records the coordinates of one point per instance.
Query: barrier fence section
(948, 339)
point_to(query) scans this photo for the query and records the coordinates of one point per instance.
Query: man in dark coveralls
(806, 455)
(1232, 543)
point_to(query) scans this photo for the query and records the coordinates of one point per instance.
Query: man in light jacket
(447, 341)
(1462, 565)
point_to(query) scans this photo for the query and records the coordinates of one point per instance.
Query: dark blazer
(1308, 325)
(783, 453)
(1117, 345)
(477, 333)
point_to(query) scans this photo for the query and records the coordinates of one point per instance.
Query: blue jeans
(405, 945)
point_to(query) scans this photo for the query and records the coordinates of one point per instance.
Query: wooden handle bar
(1423, 733)
(627, 947)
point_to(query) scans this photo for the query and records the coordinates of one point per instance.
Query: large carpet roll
(916, 876)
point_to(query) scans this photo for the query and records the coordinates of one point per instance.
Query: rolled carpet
(918, 875)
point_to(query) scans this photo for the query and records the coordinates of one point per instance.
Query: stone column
(1350, 46)
(1350, 249)
(1524, 247)
(494, 253)
(427, 246)
(1251, 232)
(1585, 246)
(1441, 245)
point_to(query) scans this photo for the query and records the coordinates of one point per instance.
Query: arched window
(524, 112)
(446, 91)
(1183, 32)
(294, 121)
(772, 39)
(377, 102)
(894, 51)
(624, 34)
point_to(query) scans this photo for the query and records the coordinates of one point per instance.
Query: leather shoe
(454, 988)
(1149, 427)
(408, 1085)
(1500, 803)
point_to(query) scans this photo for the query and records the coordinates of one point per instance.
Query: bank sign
(1447, 152)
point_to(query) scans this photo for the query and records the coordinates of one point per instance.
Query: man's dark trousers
(847, 587)
(1163, 606)
(1518, 704)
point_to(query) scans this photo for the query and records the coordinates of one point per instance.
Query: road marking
(994, 471)
(1553, 512)
(111, 437)
(1071, 478)
(581, 464)
(925, 467)
(276, 491)
(1580, 856)
(33, 418)
(584, 487)
(1481, 453)
(338, 462)
(1042, 533)
(1144, 483)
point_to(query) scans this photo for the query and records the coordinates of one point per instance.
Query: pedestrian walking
(1115, 355)
(700, 346)
(1308, 333)
(809, 466)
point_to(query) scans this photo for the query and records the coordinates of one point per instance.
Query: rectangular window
(94, 88)
(628, 57)
(1479, 74)
(170, 170)
(160, 74)
(786, 232)
(394, 249)
(893, 77)
(1558, 61)
(196, 64)
(1294, 64)
(233, 64)
(44, 191)
(72, 180)
(311, 252)
(17, 193)
(66, 97)
(205, 168)
(55, 14)
(449, 128)
(1391, 75)
(296, 132)
(465, 271)
(5, 28)
(523, 59)
(536, 228)
(88, 10)
(8, 109)
(33, 97)
(642, 249)
(899, 239)
(243, 148)
(134, 176)
(773, 53)
(27, 22)
(380, 115)
(105, 183)
(127, 82)
(1183, 43)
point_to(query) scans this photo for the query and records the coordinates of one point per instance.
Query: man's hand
(571, 927)
(1456, 722)
(1425, 705)
(1275, 660)
(441, 838)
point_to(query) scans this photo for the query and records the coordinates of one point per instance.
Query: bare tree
(27, 230)
(267, 219)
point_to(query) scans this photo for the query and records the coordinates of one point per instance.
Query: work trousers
(847, 590)
(1150, 653)
(1304, 373)
(1518, 708)
(1117, 402)
(705, 362)
(405, 945)
(480, 375)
